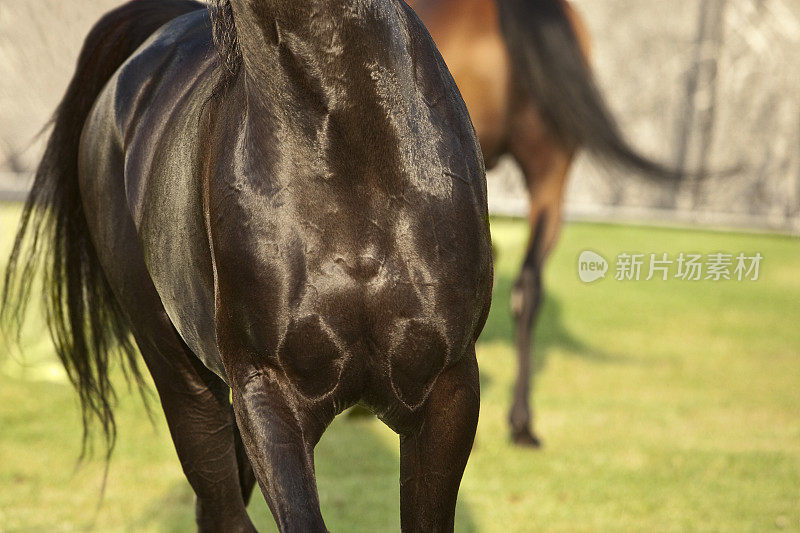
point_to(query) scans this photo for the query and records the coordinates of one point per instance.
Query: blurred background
(663, 405)
(700, 84)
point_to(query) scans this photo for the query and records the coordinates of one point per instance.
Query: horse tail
(551, 67)
(84, 318)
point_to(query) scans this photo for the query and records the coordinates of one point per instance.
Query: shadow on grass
(358, 479)
(550, 331)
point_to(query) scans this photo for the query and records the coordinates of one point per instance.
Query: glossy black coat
(313, 228)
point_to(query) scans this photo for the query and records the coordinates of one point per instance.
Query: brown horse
(522, 67)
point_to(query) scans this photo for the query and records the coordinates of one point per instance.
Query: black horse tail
(84, 318)
(550, 66)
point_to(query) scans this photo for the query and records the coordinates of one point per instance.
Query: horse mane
(226, 38)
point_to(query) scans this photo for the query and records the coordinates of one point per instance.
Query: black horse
(292, 214)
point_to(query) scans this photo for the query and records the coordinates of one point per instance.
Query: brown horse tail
(551, 67)
(84, 318)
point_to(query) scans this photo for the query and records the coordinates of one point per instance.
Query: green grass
(663, 406)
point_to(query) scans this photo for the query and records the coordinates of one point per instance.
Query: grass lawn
(664, 405)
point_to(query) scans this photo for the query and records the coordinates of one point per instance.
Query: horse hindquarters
(194, 400)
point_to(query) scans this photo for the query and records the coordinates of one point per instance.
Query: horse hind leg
(194, 400)
(434, 455)
(247, 477)
(200, 418)
(203, 429)
(526, 298)
(280, 441)
(195, 403)
(545, 164)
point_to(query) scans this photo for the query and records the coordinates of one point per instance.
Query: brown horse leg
(526, 298)
(200, 419)
(433, 458)
(545, 164)
(280, 442)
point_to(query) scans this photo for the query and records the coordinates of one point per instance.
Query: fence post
(696, 124)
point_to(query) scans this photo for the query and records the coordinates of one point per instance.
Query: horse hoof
(526, 439)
